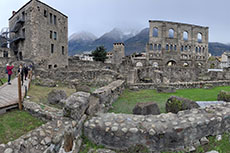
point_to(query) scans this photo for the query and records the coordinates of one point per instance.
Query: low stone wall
(99, 77)
(108, 94)
(164, 132)
(53, 136)
(181, 85)
(75, 64)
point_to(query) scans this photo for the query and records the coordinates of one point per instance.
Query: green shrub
(175, 104)
(223, 96)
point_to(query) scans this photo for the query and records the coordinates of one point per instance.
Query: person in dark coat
(20, 72)
(25, 70)
(9, 72)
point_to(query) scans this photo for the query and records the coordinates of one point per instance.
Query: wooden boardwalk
(9, 95)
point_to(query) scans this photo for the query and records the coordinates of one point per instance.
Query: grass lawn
(126, 102)
(16, 123)
(222, 146)
(4, 80)
(39, 94)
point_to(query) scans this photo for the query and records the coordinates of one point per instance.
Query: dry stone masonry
(162, 132)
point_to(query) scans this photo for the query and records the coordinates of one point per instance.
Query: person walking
(9, 72)
(20, 72)
(25, 70)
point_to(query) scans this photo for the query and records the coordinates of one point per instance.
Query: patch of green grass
(222, 146)
(3, 80)
(87, 145)
(39, 94)
(127, 101)
(14, 124)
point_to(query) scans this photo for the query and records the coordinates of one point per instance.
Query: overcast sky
(100, 16)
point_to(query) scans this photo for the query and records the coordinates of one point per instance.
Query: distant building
(118, 53)
(39, 33)
(109, 56)
(225, 60)
(85, 56)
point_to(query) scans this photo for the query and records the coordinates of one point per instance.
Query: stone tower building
(118, 53)
(178, 44)
(39, 33)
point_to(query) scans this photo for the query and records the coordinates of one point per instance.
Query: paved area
(9, 94)
(203, 104)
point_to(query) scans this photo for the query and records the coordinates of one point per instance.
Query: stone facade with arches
(177, 44)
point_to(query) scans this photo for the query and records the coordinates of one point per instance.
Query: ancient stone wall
(98, 77)
(180, 44)
(164, 132)
(181, 85)
(108, 94)
(76, 64)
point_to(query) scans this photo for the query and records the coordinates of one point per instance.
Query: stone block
(150, 108)
(166, 89)
(223, 96)
(76, 105)
(55, 96)
(175, 104)
(94, 105)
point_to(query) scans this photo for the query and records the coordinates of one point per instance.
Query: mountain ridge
(133, 43)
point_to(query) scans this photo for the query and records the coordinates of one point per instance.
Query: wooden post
(29, 78)
(19, 92)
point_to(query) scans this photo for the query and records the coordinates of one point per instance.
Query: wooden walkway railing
(11, 96)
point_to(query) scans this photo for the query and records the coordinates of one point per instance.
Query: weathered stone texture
(34, 28)
(166, 89)
(76, 105)
(175, 104)
(164, 132)
(167, 44)
(55, 96)
(49, 137)
(108, 94)
(181, 85)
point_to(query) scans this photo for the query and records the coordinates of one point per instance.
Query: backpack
(6, 71)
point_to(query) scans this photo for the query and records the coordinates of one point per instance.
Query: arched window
(150, 46)
(182, 48)
(175, 48)
(155, 32)
(185, 64)
(185, 35)
(199, 37)
(171, 47)
(171, 33)
(196, 49)
(167, 47)
(139, 64)
(171, 63)
(185, 48)
(159, 47)
(155, 64)
(199, 49)
(155, 46)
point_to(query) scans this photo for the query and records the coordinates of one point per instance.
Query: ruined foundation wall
(76, 64)
(181, 85)
(162, 132)
(108, 94)
(100, 77)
